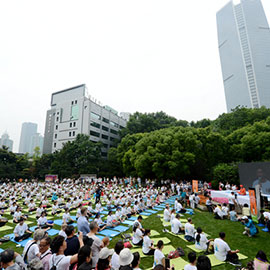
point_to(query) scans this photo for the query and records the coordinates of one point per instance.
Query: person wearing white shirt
(225, 210)
(223, 251)
(192, 261)
(159, 258)
(189, 231)
(218, 212)
(231, 200)
(21, 231)
(201, 241)
(172, 215)
(167, 214)
(137, 238)
(115, 264)
(179, 207)
(43, 222)
(148, 247)
(177, 226)
(66, 217)
(192, 200)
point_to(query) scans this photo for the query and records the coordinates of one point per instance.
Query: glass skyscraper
(244, 48)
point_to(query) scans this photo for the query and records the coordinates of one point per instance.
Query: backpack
(127, 244)
(177, 253)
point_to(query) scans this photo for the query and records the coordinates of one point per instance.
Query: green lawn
(233, 230)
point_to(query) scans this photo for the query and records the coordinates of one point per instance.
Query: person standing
(82, 223)
(45, 252)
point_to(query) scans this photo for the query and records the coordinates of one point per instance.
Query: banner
(51, 178)
(195, 186)
(258, 200)
(253, 202)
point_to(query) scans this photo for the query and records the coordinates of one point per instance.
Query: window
(111, 139)
(105, 145)
(75, 101)
(72, 102)
(57, 113)
(69, 134)
(70, 124)
(74, 124)
(121, 127)
(95, 116)
(55, 136)
(73, 133)
(93, 133)
(114, 124)
(94, 124)
(74, 112)
(105, 120)
(113, 131)
(54, 145)
(56, 127)
(105, 128)
(57, 118)
(104, 137)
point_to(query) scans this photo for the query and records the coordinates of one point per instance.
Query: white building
(5, 141)
(73, 112)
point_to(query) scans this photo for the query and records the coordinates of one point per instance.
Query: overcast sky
(143, 55)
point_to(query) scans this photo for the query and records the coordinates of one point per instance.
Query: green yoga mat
(166, 223)
(214, 260)
(166, 250)
(164, 239)
(5, 228)
(241, 256)
(178, 263)
(154, 233)
(195, 249)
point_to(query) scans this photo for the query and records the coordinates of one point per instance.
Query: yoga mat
(241, 256)
(128, 222)
(1, 250)
(121, 228)
(58, 222)
(145, 214)
(265, 230)
(28, 222)
(22, 243)
(109, 233)
(5, 228)
(167, 249)
(132, 218)
(154, 233)
(214, 260)
(165, 240)
(166, 223)
(260, 225)
(33, 228)
(178, 263)
(151, 211)
(195, 249)
(52, 232)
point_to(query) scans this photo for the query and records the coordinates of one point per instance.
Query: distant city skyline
(6, 141)
(135, 56)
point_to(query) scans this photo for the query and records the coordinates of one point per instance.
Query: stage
(241, 199)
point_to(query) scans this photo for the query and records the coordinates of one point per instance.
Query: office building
(5, 141)
(36, 141)
(73, 112)
(28, 130)
(244, 48)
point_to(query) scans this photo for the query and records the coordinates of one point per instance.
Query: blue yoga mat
(265, 230)
(145, 214)
(1, 250)
(151, 211)
(260, 225)
(33, 228)
(52, 232)
(121, 228)
(11, 236)
(104, 212)
(109, 233)
(128, 222)
(132, 218)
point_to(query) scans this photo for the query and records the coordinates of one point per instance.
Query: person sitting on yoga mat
(100, 223)
(32, 206)
(148, 246)
(21, 231)
(167, 213)
(201, 241)
(12, 208)
(18, 214)
(159, 257)
(3, 221)
(192, 261)
(43, 222)
(55, 208)
(66, 217)
(111, 221)
(203, 263)
(177, 226)
(179, 207)
(189, 231)
(137, 238)
(223, 251)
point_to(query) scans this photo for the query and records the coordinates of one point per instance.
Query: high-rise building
(28, 130)
(244, 48)
(36, 141)
(5, 141)
(73, 112)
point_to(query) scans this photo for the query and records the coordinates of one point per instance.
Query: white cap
(105, 253)
(125, 257)
(244, 217)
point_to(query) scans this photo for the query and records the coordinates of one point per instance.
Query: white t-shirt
(176, 225)
(221, 249)
(231, 199)
(137, 236)
(219, 212)
(20, 230)
(66, 217)
(110, 221)
(32, 252)
(115, 261)
(202, 244)
(167, 215)
(158, 256)
(61, 262)
(42, 221)
(190, 267)
(189, 229)
(146, 244)
(179, 207)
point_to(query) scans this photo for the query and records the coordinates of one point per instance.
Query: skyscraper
(5, 141)
(36, 141)
(28, 130)
(244, 48)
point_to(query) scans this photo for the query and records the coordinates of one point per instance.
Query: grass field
(233, 230)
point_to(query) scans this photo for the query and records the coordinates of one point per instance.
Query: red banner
(195, 186)
(253, 204)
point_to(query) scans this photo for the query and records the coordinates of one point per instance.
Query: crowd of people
(82, 249)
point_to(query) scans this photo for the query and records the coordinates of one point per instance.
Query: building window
(105, 128)
(105, 145)
(54, 145)
(56, 127)
(57, 113)
(105, 120)
(95, 116)
(72, 102)
(74, 124)
(114, 124)
(57, 118)
(111, 139)
(113, 131)
(75, 101)
(69, 134)
(73, 133)
(55, 136)
(93, 133)
(104, 137)
(74, 112)
(70, 124)
(94, 124)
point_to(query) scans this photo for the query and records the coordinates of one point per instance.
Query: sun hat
(125, 257)
(105, 253)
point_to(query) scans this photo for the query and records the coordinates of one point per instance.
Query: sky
(143, 55)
